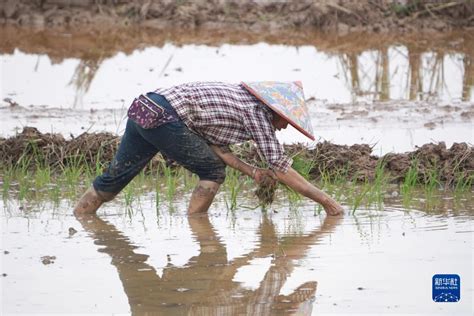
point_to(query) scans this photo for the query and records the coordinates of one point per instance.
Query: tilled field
(36, 149)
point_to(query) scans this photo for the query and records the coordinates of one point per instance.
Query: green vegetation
(357, 191)
(410, 181)
(233, 186)
(403, 10)
(463, 182)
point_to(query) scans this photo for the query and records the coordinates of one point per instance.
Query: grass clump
(233, 187)
(410, 180)
(464, 182)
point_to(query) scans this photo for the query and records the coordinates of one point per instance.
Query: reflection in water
(375, 69)
(417, 73)
(468, 78)
(369, 77)
(82, 78)
(205, 285)
(369, 250)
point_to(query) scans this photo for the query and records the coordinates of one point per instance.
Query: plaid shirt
(226, 114)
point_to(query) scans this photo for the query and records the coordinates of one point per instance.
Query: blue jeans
(174, 140)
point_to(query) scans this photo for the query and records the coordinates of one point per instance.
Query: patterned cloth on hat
(226, 114)
(287, 100)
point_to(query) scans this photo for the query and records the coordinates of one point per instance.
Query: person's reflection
(205, 285)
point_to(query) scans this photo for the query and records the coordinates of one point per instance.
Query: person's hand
(332, 207)
(266, 176)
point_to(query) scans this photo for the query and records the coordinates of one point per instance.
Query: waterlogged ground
(143, 254)
(150, 257)
(392, 92)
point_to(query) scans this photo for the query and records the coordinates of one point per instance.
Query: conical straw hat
(287, 100)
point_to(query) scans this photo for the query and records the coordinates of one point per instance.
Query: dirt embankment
(259, 15)
(356, 162)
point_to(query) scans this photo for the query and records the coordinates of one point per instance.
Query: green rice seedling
(129, 212)
(318, 208)
(31, 156)
(72, 171)
(335, 183)
(38, 156)
(182, 173)
(88, 175)
(156, 174)
(140, 182)
(326, 183)
(432, 181)
(379, 185)
(171, 181)
(6, 182)
(233, 187)
(55, 193)
(463, 182)
(359, 195)
(190, 179)
(410, 181)
(129, 194)
(157, 197)
(23, 164)
(294, 198)
(23, 185)
(303, 166)
(71, 176)
(99, 162)
(42, 177)
(95, 168)
(324, 180)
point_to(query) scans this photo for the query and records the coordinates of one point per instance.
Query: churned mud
(255, 263)
(389, 90)
(343, 16)
(356, 161)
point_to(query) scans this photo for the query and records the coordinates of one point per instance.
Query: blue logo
(446, 288)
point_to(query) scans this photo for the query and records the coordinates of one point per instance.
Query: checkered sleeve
(262, 132)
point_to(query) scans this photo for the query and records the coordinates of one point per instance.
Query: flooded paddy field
(392, 92)
(149, 257)
(142, 254)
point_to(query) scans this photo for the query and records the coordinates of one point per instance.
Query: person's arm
(291, 178)
(232, 161)
(299, 184)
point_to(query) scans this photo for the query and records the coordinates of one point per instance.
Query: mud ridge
(34, 149)
(343, 16)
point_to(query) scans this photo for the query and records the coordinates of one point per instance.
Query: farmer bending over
(193, 124)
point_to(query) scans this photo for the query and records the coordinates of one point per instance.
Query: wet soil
(354, 162)
(289, 262)
(347, 16)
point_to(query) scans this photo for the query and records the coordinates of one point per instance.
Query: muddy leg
(202, 196)
(91, 200)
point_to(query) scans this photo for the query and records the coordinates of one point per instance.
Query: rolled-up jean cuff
(104, 195)
(218, 177)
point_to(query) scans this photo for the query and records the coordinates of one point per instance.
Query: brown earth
(357, 162)
(343, 16)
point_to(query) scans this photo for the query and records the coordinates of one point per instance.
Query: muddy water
(384, 90)
(288, 260)
(395, 93)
